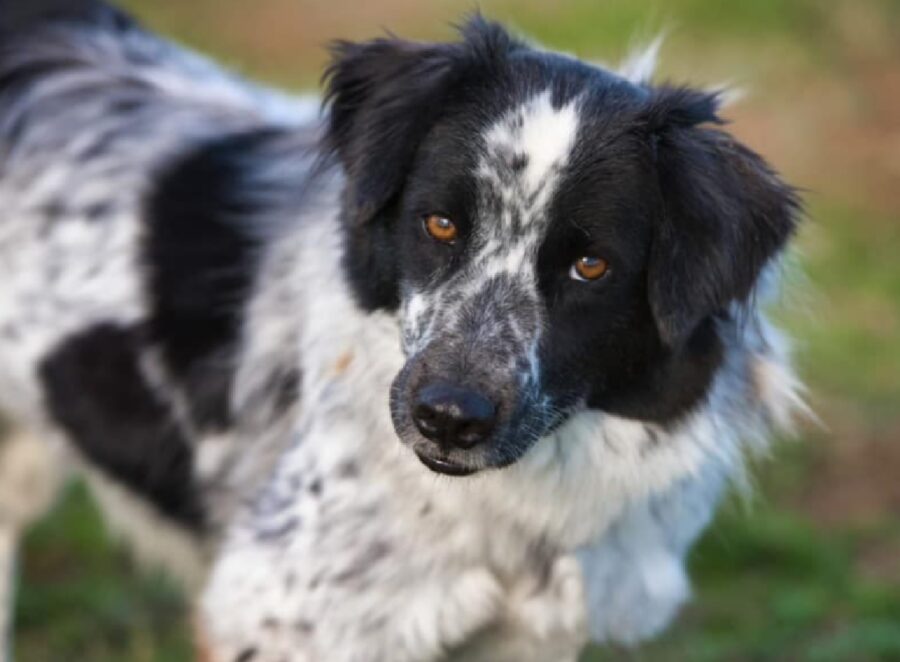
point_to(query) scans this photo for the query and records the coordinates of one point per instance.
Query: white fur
(542, 133)
(339, 546)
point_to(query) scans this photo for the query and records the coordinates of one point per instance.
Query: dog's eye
(589, 268)
(440, 228)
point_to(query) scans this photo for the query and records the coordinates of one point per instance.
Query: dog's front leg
(29, 478)
(634, 574)
(263, 604)
(7, 572)
(339, 559)
(543, 618)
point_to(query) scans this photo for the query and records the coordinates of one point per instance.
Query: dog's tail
(18, 18)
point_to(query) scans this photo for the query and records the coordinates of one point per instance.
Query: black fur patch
(94, 389)
(202, 258)
(725, 214)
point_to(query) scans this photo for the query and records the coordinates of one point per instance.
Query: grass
(99, 608)
(773, 586)
(810, 569)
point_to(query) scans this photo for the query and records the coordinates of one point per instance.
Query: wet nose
(453, 416)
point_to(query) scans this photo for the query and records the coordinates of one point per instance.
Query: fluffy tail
(89, 45)
(18, 17)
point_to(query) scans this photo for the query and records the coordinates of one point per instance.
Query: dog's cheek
(371, 266)
(399, 402)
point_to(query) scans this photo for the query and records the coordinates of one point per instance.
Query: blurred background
(808, 568)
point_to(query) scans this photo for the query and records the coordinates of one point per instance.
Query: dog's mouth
(444, 466)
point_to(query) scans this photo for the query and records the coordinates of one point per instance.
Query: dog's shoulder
(210, 217)
(200, 254)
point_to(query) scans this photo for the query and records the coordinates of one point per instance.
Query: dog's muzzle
(452, 417)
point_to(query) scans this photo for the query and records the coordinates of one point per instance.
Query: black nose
(453, 415)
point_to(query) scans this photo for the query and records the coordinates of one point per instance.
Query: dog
(457, 368)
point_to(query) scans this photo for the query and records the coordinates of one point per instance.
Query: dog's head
(553, 236)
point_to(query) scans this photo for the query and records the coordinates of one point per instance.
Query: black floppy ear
(725, 214)
(383, 96)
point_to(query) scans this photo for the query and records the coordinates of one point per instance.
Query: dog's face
(553, 237)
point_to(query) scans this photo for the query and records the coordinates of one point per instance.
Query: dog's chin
(444, 466)
(457, 463)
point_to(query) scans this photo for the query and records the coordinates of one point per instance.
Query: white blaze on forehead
(538, 138)
(545, 136)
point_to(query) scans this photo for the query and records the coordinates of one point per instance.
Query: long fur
(212, 300)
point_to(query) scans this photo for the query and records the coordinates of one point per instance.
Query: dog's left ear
(725, 213)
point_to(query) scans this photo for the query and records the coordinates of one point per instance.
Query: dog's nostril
(471, 434)
(425, 417)
(453, 415)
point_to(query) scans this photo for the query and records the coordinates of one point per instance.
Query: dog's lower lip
(445, 467)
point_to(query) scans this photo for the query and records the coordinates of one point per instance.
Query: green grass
(82, 598)
(810, 570)
(852, 333)
(772, 586)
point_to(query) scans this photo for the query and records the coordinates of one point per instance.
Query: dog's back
(94, 113)
(119, 160)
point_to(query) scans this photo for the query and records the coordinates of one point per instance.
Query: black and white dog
(456, 369)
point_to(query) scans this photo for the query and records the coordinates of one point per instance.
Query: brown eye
(589, 268)
(440, 228)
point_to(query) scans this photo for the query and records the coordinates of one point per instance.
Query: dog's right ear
(383, 96)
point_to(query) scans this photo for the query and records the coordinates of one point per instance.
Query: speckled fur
(330, 541)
